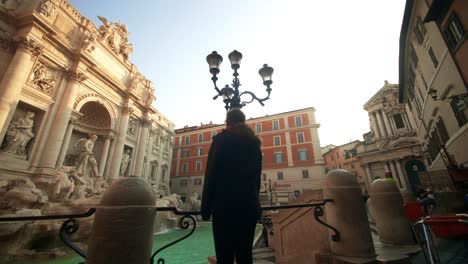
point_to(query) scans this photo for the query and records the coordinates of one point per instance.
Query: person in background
(231, 189)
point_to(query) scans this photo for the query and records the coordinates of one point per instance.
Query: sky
(330, 55)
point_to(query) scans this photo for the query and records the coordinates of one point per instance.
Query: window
(419, 31)
(275, 125)
(303, 155)
(453, 32)
(279, 157)
(298, 121)
(263, 157)
(197, 181)
(199, 151)
(185, 167)
(200, 137)
(280, 175)
(399, 121)
(187, 140)
(300, 137)
(433, 57)
(198, 166)
(154, 170)
(213, 133)
(444, 137)
(259, 127)
(263, 176)
(277, 140)
(458, 107)
(305, 174)
(183, 182)
(413, 57)
(185, 153)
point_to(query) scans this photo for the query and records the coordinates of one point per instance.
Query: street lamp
(231, 95)
(461, 100)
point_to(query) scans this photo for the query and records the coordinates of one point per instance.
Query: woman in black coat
(231, 189)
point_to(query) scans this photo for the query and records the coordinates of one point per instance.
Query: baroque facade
(292, 159)
(391, 148)
(433, 82)
(72, 105)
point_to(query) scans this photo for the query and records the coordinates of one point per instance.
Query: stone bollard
(123, 228)
(347, 213)
(387, 207)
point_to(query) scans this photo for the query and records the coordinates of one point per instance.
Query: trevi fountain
(75, 116)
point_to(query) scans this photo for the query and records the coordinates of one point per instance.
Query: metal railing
(71, 224)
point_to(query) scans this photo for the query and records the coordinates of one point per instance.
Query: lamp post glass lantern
(232, 95)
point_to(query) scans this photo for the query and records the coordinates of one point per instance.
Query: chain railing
(187, 220)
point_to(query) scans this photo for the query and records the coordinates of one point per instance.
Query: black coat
(232, 177)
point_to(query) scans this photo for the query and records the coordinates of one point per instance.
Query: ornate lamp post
(231, 95)
(461, 100)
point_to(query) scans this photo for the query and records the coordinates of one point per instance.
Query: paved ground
(451, 251)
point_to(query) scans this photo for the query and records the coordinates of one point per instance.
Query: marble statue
(126, 49)
(115, 34)
(194, 202)
(149, 95)
(85, 147)
(19, 133)
(47, 7)
(40, 79)
(134, 81)
(126, 158)
(89, 42)
(132, 126)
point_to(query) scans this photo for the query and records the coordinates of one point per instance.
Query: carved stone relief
(132, 126)
(42, 79)
(18, 135)
(89, 42)
(47, 8)
(115, 35)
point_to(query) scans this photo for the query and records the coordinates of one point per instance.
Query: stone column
(394, 173)
(403, 179)
(138, 171)
(66, 142)
(348, 215)
(110, 158)
(105, 152)
(408, 124)
(375, 128)
(387, 124)
(119, 144)
(380, 124)
(368, 175)
(62, 117)
(14, 79)
(386, 168)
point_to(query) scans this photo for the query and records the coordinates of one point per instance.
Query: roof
(403, 38)
(249, 120)
(386, 87)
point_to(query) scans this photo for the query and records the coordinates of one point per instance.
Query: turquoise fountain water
(195, 249)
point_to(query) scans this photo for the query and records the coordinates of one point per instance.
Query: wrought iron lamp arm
(254, 97)
(214, 79)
